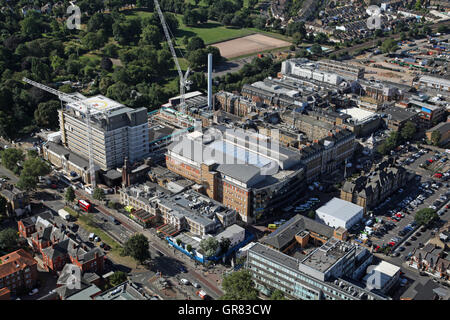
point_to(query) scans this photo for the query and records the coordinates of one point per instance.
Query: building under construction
(118, 132)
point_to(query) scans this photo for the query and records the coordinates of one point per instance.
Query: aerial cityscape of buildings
(326, 180)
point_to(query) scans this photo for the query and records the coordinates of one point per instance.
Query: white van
(91, 236)
(184, 281)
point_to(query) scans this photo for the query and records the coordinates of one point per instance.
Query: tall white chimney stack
(210, 97)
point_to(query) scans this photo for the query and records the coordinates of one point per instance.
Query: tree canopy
(137, 247)
(277, 295)
(117, 278)
(10, 158)
(32, 169)
(69, 196)
(389, 46)
(99, 194)
(408, 131)
(435, 137)
(391, 142)
(224, 244)
(425, 216)
(46, 114)
(9, 241)
(239, 286)
(209, 246)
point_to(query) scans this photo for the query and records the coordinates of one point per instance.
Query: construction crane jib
(184, 82)
(71, 99)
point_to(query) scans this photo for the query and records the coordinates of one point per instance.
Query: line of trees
(396, 138)
(28, 168)
(257, 70)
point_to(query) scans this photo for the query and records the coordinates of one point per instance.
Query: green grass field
(210, 32)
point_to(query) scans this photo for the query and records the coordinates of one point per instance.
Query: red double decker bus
(84, 205)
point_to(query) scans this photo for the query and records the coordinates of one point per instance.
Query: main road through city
(171, 265)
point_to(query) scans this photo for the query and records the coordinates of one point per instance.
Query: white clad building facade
(339, 213)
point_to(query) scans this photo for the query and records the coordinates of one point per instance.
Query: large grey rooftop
(241, 172)
(69, 155)
(275, 255)
(399, 114)
(194, 206)
(322, 258)
(286, 233)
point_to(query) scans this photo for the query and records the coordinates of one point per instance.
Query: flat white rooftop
(357, 113)
(340, 209)
(387, 268)
(97, 103)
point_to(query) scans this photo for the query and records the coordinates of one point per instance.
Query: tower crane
(184, 82)
(72, 99)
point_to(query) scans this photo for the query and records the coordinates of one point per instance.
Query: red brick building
(5, 294)
(18, 270)
(56, 248)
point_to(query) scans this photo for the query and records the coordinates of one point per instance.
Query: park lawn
(116, 248)
(210, 32)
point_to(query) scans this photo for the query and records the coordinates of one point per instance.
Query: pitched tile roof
(14, 261)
